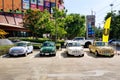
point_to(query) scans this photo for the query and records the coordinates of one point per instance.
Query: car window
(21, 44)
(29, 44)
(73, 44)
(99, 44)
(47, 44)
(78, 39)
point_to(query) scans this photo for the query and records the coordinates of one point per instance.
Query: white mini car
(74, 48)
(21, 48)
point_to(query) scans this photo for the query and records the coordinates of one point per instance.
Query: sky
(98, 7)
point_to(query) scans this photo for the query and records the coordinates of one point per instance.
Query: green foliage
(36, 21)
(98, 32)
(75, 25)
(39, 40)
(4, 49)
(115, 25)
(59, 20)
(36, 45)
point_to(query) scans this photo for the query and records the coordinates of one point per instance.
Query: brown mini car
(101, 48)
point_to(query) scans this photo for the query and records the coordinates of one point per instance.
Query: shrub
(40, 40)
(61, 42)
(58, 45)
(4, 49)
(37, 46)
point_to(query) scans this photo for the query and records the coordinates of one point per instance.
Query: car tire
(82, 55)
(68, 54)
(41, 55)
(54, 54)
(90, 50)
(112, 56)
(96, 54)
(26, 54)
(31, 52)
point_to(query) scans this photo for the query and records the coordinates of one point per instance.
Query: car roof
(23, 42)
(49, 42)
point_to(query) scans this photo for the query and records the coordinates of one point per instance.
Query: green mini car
(48, 48)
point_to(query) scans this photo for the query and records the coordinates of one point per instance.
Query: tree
(98, 32)
(59, 22)
(115, 25)
(36, 21)
(75, 25)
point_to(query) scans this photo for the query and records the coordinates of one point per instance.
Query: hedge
(4, 49)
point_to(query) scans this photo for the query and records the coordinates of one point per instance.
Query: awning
(11, 27)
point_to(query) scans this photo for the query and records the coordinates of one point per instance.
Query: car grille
(107, 51)
(76, 51)
(16, 51)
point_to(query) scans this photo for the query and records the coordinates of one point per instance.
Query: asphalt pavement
(60, 67)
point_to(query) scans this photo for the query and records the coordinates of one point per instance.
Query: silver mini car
(21, 48)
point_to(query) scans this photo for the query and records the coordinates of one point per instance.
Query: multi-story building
(11, 12)
(90, 24)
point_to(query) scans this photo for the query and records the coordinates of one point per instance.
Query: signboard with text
(26, 4)
(33, 4)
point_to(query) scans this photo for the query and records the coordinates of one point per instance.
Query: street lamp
(111, 7)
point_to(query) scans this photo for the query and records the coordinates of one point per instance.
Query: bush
(58, 45)
(40, 40)
(37, 46)
(4, 49)
(61, 42)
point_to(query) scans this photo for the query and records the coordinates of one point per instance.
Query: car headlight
(69, 51)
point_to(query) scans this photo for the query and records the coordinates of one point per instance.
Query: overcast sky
(85, 7)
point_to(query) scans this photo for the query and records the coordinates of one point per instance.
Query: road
(60, 67)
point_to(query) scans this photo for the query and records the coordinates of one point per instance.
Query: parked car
(74, 48)
(114, 42)
(21, 48)
(84, 42)
(48, 48)
(101, 48)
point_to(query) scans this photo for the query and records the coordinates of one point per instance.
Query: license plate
(46, 53)
(15, 54)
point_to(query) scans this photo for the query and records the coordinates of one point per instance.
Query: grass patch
(5, 49)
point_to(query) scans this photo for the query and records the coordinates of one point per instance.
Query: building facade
(90, 24)
(11, 12)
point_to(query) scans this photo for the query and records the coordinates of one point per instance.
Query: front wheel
(54, 54)
(82, 55)
(112, 56)
(26, 54)
(96, 53)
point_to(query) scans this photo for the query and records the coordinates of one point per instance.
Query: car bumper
(76, 53)
(16, 54)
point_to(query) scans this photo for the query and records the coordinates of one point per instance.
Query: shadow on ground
(64, 55)
(99, 56)
(38, 56)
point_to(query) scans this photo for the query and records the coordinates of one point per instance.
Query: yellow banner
(106, 30)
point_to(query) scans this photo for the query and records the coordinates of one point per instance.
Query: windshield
(73, 44)
(78, 39)
(47, 44)
(99, 44)
(21, 44)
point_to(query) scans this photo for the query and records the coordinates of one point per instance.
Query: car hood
(47, 48)
(75, 48)
(17, 48)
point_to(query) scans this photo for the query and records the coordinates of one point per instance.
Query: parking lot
(60, 67)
